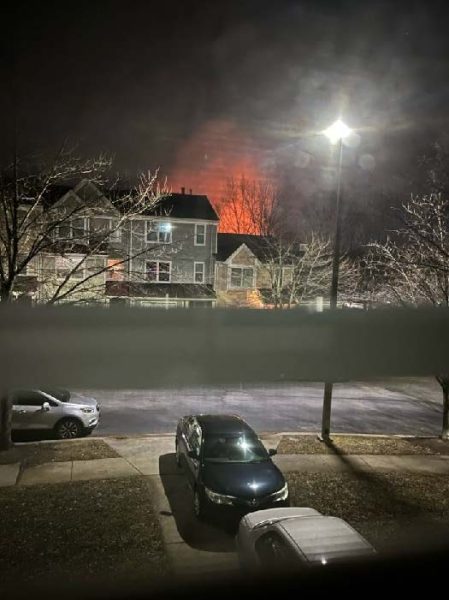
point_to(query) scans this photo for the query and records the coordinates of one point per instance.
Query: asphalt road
(406, 408)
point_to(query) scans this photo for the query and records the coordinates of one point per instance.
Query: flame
(217, 152)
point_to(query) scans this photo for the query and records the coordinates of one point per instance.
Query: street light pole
(336, 132)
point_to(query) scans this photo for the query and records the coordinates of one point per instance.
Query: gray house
(102, 252)
(173, 255)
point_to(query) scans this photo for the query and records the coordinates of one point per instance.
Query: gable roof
(185, 206)
(228, 243)
(175, 205)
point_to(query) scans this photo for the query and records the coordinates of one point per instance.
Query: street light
(336, 133)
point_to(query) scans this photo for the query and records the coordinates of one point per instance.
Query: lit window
(159, 233)
(159, 271)
(200, 235)
(199, 272)
(115, 270)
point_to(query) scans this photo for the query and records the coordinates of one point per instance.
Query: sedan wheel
(68, 429)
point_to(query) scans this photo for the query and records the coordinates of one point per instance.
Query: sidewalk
(141, 456)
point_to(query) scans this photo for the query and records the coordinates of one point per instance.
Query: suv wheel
(198, 504)
(68, 429)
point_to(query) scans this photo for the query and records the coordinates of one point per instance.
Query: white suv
(68, 414)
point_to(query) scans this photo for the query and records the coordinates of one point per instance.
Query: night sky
(205, 90)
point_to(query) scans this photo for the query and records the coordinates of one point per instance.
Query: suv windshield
(234, 448)
(62, 395)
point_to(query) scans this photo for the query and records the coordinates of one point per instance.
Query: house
(100, 252)
(247, 270)
(173, 255)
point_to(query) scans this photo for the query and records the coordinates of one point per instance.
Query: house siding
(182, 251)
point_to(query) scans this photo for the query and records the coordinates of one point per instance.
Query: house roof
(175, 205)
(228, 243)
(186, 206)
(160, 290)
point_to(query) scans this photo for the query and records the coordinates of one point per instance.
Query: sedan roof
(223, 424)
(323, 539)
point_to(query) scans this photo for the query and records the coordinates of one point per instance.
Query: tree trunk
(443, 380)
(5, 422)
(5, 292)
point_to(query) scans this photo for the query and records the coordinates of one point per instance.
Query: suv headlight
(282, 494)
(87, 410)
(219, 498)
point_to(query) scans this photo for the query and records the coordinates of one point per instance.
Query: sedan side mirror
(272, 451)
(46, 406)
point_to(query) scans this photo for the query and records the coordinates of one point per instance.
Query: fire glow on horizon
(216, 153)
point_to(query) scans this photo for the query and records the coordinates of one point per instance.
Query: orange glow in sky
(215, 153)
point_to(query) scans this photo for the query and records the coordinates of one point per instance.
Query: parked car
(69, 415)
(296, 538)
(227, 465)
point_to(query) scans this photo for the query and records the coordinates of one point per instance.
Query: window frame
(195, 240)
(157, 262)
(153, 226)
(69, 223)
(34, 392)
(203, 273)
(241, 287)
(284, 554)
(114, 236)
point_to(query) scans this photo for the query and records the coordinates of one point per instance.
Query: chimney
(183, 190)
(190, 191)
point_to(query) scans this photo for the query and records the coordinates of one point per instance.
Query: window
(273, 552)
(76, 228)
(200, 235)
(79, 228)
(158, 232)
(94, 264)
(116, 270)
(73, 265)
(242, 277)
(28, 398)
(194, 437)
(199, 272)
(106, 227)
(65, 265)
(158, 270)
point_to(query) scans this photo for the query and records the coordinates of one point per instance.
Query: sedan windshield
(234, 448)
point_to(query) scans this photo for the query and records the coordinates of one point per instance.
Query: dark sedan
(227, 465)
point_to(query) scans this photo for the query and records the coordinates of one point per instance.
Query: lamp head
(337, 131)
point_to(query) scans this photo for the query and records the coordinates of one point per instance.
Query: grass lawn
(80, 530)
(358, 444)
(31, 454)
(392, 510)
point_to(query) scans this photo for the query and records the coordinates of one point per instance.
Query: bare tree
(301, 272)
(48, 239)
(412, 267)
(249, 206)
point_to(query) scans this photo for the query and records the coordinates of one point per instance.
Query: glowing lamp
(337, 131)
